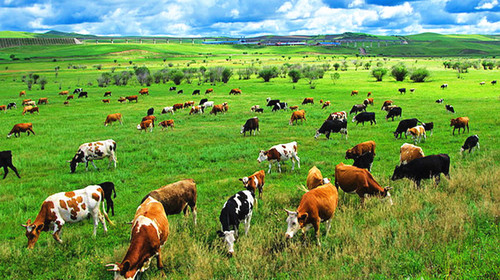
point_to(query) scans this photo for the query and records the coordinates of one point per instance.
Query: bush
(268, 73)
(226, 74)
(177, 77)
(104, 80)
(295, 75)
(43, 81)
(419, 75)
(336, 66)
(378, 73)
(399, 72)
(143, 75)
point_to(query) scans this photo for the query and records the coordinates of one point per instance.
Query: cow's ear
(126, 265)
(303, 216)
(241, 179)
(39, 227)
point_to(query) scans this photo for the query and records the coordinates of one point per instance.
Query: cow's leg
(5, 171)
(298, 160)
(328, 225)
(14, 169)
(57, 231)
(269, 170)
(95, 167)
(86, 166)
(454, 130)
(279, 167)
(293, 163)
(193, 209)
(248, 218)
(316, 231)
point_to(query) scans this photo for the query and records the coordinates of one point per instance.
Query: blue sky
(251, 17)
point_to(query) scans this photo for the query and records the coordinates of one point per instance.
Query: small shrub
(419, 75)
(378, 73)
(295, 75)
(399, 72)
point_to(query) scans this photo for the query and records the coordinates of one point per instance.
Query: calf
(93, 151)
(461, 122)
(77, 90)
(250, 124)
(439, 100)
(402, 90)
(308, 100)
(368, 101)
(428, 127)
(237, 208)
(386, 103)
(23, 93)
(152, 118)
(196, 91)
(403, 127)
(443, 86)
(3, 108)
(352, 179)
(409, 152)
(107, 93)
(122, 99)
(43, 101)
(6, 161)
(357, 108)
(144, 125)
(169, 109)
(416, 133)
(196, 110)
(326, 104)
(25, 101)
(144, 91)
(82, 94)
(354, 92)
(449, 108)
(254, 107)
(149, 233)
(63, 207)
(30, 109)
(259, 110)
(109, 189)
(394, 112)
(111, 118)
(11, 105)
(293, 108)
(494, 82)
(364, 161)
(278, 153)
(423, 168)
(470, 143)
(297, 115)
(151, 111)
(132, 98)
(64, 92)
(21, 127)
(254, 182)
(188, 104)
(316, 206)
(364, 117)
(359, 149)
(334, 126)
(280, 106)
(315, 178)
(172, 89)
(167, 123)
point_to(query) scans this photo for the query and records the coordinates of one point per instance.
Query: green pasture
(448, 230)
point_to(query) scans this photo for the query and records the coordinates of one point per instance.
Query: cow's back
(349, 178)
(152, 210)
(314, 178)
(321, 200)
(174, 196)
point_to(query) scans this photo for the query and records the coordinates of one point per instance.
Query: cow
(11, 105)
(3, 108)
(177, 106)
(293, 108)
(196, 110)
(278, 153)
(416, 133)
(172, 89)
(250, 124)
(144, 91)
(23, 93)
(361, 148)
(217, 109)
(297, 115)
(71, 97)
(176, 197)
(358, 108)
(334, 126)
(202, 101)
(412, 90)
(196, 91)
(64, 92)
(280, 106)
(354, 92)
(237, 208)
(254, 182)
(167, 123)
(369, 94)
(208, 104)
(364, 117)
(225, 107)
(66, 103)
(43, 100)
(394, 112)
(77, 90)
(443, 86)
(25, 101)
(424, 168)
(109, 189)
(449, 108)
(132, 98)
(107, 93)
(321, 101)
(352, 179)
(470, 143)
(149, 233)
(439, 100)
(403, 127)
(326, 104)
(386, 103)
(364, 161)
(210, 90)
(180, 91)
(428, 127)
(149, 117)
(111, 118)
(409, 152)
(169, 109)
(316, 206)
(494, 82)
(30, 109)
(6, 161)
(122, 99)
(254, 107)
(144, 125)
(308, 100)
(259, 110)
(106, 101)
(272, 102)
(30, 103)
(368, 101)
(342, 115)
(150, 111)
(93, 151)
(315, 178)
(82, 94)
(482, 83)
(402, 90)
(235, 91)
(188, 104)
(64, 207)
(461, 122)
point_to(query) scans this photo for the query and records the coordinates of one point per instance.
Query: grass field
(446, 231)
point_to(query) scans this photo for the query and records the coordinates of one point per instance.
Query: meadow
(450, 230)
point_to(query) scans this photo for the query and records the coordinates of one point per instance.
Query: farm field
(449, 230)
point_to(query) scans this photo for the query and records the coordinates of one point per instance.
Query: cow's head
(317, 134)
(32, 233)
(262, 156)
(76, 159)
(229, 239)
(387, 195)
(398, 173)
(453, 122)
(295, 222)
(123, 271)
(242, 129)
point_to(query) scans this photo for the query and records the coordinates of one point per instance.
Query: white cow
(169, 109)
(208, 104)
(278, 153)
(94, 150)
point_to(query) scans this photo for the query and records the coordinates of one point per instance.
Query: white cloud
(235, 13)
(487, 5)
(396, 11)
(287, 6)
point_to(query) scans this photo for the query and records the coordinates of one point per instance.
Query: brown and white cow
(25, 101)
(352, 179)
(43, 100)
(254, 182)
(354, 92)
(196, 110)
(21, 127)
(278, 153)
(30, 109)
(315, 178)
(409, 152)
(30, 103)
(167, 123)
(326, 104)
(342, 115)
(416, 133)
(308, 100)
(297, 115)
(360, 149)
(144, 91)
(122, 99)
(149, 233)
(461, 122)
(111, 118)
(144, 125)
(88, 152)
(132, 98)
(149, 117)
(64, 207)
(368, 101)
(386, 103)
(217, 109)
(188, 104)
(3, 108)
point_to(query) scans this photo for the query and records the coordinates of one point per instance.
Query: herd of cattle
(150, 227)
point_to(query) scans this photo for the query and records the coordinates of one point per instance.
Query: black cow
(172, 88)
(334, 126)
(259, 110)
(151, 111)
(365, 117)
(428, 126)
(403, 127)
(180, 91)
(109, 188)
(196, 91)
(449, 108)
(251, 124)
(280, 106)
(77, 90)
(424, 168)
(394, 112)
(402, 90)
(364, 161)
(439, 100)
(6, 161)
(82, 94)
(203, 101)
(470, 143)
(273, 102)
(358, 108)
(11, 105)
(494, 82)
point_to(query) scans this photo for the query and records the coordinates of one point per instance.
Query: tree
(268, 73)
(43, 81)
(419, 75)
(399, 72)
(336, 66)
(29, 83)
(378, 73)
(177, 77)
(295, 75)
(104, 79)
(226, 74)
(143, 75)
(335, 76)
(35, 78)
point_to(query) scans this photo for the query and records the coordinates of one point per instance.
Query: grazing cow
(43, 100)
(252, 109)
(386, 103)
(64, 92)
(109, 189)
(308, 100)
(23, 93)
(412, 90)
(177, 106)
(151, 111)
(122, 99)
(394, 112)
(144, 91)
(93, 151)
(409, 152)
(208, 104)
(235, 91)
(272, 102)
(423, 168)
(225, 107)
(149, 233)
(196, 91)
(259, 110)
(150, 117)
(368, 101)
(106, 101)
(111, 118)
(180, 91)
(369, 94)
(358, 108)
(278, 153)
(132, 98)
(172, 89)
(354, 92)
(3, 108)
(352, 179)
(167, 123)
(449, 108)
(494, 82)
(6, 161)
(202, 101)
(321, 101)
(316, 206)
(63, 207)
(71, 97)
(144, 125)
(428, 127)
(297, 115)
(236, 209)
(470, 143)
(359, 149)
(188, 104)
(250, 124)
(403, 127)
(416, 133)
(280, 106)
(210, 90)
(402, 90)
(439, 100)
(342, 115)
(364, 161)
(315, 178)
(254, 182)
(176, 197)
(11, 105)
(30, 109)
(66, 102)
(196, 110)
(461, 122)
(482, 83)
(217, 109)
(443, 86)
(82, 94)
(326, 104)
(364, 117)
(334, 126)
(30, 103)
(77, 90)
(169, 109)
(107, 93)
(293, 108)
(25, 101)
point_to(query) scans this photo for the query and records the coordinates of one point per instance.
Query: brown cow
(188, 104)
(30, 109)
(196, 110)
(111, 118)
(308, 100)
(409, 152)
(461, 122)
(25, 101)
(132, 97)
(178, 106)
(166, 124)
(107, 93)
(66, 102)
(144, 91)
(255, 182)
(368, 101)
(359, 149)
(326, 104)
(217, 109)
(22, 93)
(210, 90)
(354, 92)
(64, 92)
(150, 117)
(386, 104)
(3, 108)
(369, 94)
(293, 108)
(70, 97)
(352, 179)
(106, 101)
(21, 127)
(144, 125)
(225, 107)
(235, 91)
(297, 115)
(315, 178)
(43, 100)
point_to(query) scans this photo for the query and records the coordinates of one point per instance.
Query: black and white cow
(82, 94)
(280, 106)
(109, 189)
(172, 88)
(272, 102)
(364, 117)
(237, 208)
(94, 150)
(202, 101)
(470, 143)
(77, 90)
(394, 112)
(180, 91)
(250, 124)
(6, 161)
(424, 168)
(429, 126)
(335, 126)
(404, 125)
(443, 86)
(11, 105)
(364, 161)
(402, 90)
(151, 111)
(279, 153)
(440, 100)
(358, 108)
(449, 108)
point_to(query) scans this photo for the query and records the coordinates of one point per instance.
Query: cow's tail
(104, 210)
(114, 190)
(302, 188)
(113, 150)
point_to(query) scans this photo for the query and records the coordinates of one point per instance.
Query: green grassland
(450, 230)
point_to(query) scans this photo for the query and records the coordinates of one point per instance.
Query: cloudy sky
(251, 17)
